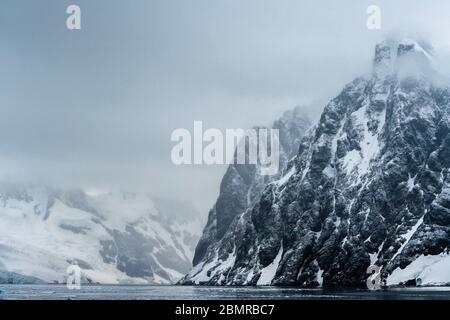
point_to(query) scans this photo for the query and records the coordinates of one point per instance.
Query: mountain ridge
(369, 185)
(115, 238)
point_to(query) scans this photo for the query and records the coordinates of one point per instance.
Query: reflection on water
(60, 292)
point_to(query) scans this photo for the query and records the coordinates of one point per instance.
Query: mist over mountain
(364, 166)
(96, 108)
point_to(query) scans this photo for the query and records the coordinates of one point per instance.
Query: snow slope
(114, 238)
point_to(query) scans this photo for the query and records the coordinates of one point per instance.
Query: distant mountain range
(115, 238)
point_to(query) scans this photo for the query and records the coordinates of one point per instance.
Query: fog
(94, 108)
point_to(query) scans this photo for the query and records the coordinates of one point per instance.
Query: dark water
(60, 292)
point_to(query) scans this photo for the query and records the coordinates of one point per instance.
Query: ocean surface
(101, 292)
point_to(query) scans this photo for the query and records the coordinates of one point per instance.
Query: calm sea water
(60, 292)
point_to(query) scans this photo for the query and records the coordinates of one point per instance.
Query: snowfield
(115, 238)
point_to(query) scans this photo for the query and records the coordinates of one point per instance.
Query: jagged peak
(390, 56)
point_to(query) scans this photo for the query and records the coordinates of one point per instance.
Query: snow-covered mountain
(242, 185)
(370, 185)
(113, 237)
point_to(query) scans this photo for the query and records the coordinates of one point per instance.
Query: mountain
(370, 185)
(242, 185)
(115, 238)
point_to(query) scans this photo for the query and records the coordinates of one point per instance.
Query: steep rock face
(114, 238)
(369, 185)
(242, 185)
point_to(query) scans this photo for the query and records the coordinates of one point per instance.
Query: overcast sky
(95, 108)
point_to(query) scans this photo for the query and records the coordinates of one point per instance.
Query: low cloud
(96, 107)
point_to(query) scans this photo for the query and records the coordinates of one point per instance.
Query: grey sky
(95, 108)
